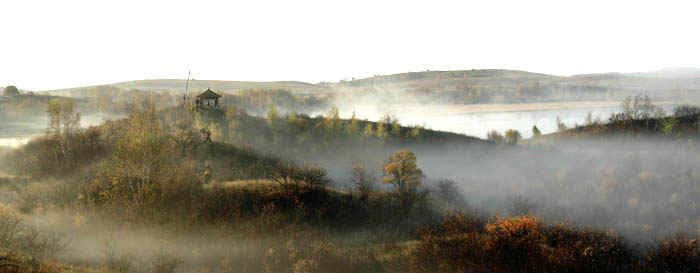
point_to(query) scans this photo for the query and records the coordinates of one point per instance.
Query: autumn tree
(296, 123)
(369, 130)
(395, 128)
(383, 125)
(139, 154)
(64, 122)
(273, 123)
(332, 122)
(353, 127)
(234, 119)
(272, 116)
(512, 136)
(415, 131)
(401, 171)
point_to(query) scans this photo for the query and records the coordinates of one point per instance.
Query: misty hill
(674, 72)
(510, 86)
(503, 75)
(150, 174)
(178, 86)
(27, 106)
(491, 76)
(429, 87)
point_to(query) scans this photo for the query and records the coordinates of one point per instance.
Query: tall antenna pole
(187, 84)
(186, 98)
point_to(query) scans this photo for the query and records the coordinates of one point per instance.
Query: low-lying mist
(644, 187)
(130, 195)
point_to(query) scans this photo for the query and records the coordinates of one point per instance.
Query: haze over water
(497, 117)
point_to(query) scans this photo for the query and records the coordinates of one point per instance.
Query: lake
(17, 132)
(473, 120)
(478, 119)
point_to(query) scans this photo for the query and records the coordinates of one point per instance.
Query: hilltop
(480, 75)
(497, 85)
(512, 86)
(178, 86)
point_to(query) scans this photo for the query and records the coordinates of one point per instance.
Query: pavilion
(208, 99)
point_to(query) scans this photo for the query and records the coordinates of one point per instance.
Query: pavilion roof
(208, 94)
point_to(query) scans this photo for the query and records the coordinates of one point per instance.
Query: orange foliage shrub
(518, 244)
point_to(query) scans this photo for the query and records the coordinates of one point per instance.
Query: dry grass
(237, 184)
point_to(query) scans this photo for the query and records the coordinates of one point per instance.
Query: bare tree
(495, 137)
(560, 125)
(294, 179)
(283, 173)
(518, 205)
(447, 191)
(363, 181)
(183, 134)
(589, 119)
(312, 177)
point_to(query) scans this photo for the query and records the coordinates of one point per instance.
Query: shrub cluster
(463, 243)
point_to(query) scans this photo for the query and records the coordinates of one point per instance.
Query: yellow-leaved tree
(64, 122)
(139, 155)
(402, 172)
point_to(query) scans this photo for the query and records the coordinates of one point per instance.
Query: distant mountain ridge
(674, 72)
(449, 75)
(458, 86)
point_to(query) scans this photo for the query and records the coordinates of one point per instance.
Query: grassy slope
(687, 127)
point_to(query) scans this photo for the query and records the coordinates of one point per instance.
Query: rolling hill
(453, 87)
(178, 85)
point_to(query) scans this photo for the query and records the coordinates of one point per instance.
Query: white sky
(59, 44)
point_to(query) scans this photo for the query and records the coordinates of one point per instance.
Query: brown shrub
(455, 245)
(679, 254)
(582, 250)
(518, 244)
